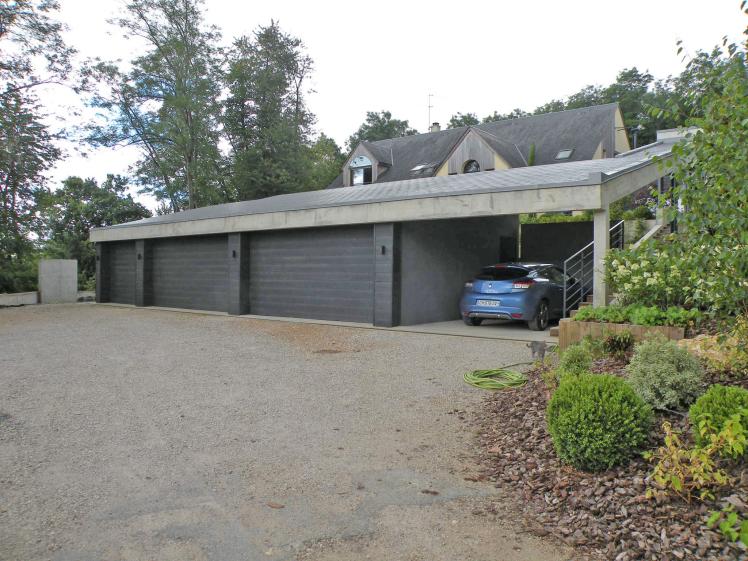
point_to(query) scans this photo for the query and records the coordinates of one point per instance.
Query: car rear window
(502, 273)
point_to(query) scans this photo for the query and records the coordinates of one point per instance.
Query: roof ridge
(549, 113)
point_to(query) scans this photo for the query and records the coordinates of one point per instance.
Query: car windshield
(502, 273)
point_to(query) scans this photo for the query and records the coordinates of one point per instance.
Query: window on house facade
(564, 154)
(471, 166)
(360, 168)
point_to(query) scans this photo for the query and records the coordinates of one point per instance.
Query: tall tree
(32, 53)
(325, 160)
(68, 214)
(462, 120)
(32, 50)
(166, 103)
(266, 120)
(379, 126)
(27, 151)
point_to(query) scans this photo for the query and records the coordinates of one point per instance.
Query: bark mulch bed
(605, 515)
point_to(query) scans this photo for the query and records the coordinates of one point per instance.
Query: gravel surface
(139, 434)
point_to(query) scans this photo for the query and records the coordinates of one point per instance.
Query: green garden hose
(496, 379)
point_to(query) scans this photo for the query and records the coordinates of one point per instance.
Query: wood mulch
(604, 515)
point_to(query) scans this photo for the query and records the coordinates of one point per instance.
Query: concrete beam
(601, 241)
(550, 199)
(630, 182)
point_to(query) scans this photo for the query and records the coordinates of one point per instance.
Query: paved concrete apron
(131, 434)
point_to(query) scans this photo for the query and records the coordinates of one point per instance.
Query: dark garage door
(321, 274)
(190, 273)
(121, 257)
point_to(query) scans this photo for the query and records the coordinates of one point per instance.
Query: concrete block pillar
(142, 273)
(58, 281)
(102, 273)
(387, 274)
(238, 258)
(601, 246)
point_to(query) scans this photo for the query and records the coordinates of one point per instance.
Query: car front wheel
(539, 322)
(472, 321)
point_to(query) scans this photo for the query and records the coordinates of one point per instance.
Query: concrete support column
(142, 276)
(601, 246)
(238, 257)
(387, 274)
(102, 273)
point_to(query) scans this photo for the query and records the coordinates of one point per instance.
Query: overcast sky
(472, 56)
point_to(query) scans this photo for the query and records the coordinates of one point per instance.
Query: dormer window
(564, 154)
(471, 166)
(360, 168)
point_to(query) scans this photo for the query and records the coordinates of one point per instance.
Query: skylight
(564, 154)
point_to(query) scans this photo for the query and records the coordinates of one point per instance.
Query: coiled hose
(497, 378)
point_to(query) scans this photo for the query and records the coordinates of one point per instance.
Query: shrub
(597, 421)
(665, 375)
(684, 472)
(575, 360)
(714, 409)
(641, 315)
(618, 344)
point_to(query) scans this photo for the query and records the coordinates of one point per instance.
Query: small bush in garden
(597, 421)
(618, 344)
(730, 524)
(716, 408)
(665, 375)
(575, 360)
(684, 472)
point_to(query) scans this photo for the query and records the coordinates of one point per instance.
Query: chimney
(435, 127)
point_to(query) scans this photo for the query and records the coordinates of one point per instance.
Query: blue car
(529, 292)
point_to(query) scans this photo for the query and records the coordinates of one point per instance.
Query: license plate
(488, 303)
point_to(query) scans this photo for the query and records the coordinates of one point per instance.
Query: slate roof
(581, 129)
(579, 173)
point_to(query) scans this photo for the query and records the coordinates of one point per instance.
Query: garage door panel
(190, 273)
(121, 256)
(320, 274)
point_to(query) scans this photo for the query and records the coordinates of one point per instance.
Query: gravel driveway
(135, 434)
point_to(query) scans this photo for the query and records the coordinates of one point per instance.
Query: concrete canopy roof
(581, 185)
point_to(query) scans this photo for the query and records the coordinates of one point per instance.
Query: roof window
(564, 154)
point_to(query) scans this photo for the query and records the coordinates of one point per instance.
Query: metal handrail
(582, 264)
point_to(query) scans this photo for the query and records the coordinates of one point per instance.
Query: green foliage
(597, 421)
(165, 102)
(68, 214)
(462, 120)
(705, 266)
(665, 375)
(642, 212)
(719, 406)
(575, 360)
(730, 524)
(618, 344)
(641, 315)
(267, 122)
(513, 114)
(555, 218)
(687, 473)
(379, 126)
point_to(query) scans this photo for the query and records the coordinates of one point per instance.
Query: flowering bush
(666, 274)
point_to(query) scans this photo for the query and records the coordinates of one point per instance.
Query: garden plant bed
(572, 331)
(606, 515)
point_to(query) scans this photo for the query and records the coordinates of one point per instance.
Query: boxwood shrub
(597, 421)
(665, 375)
(717, 405)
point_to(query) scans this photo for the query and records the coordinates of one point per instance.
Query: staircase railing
(579, 270)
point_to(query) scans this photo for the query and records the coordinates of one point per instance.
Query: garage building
(387, 254)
